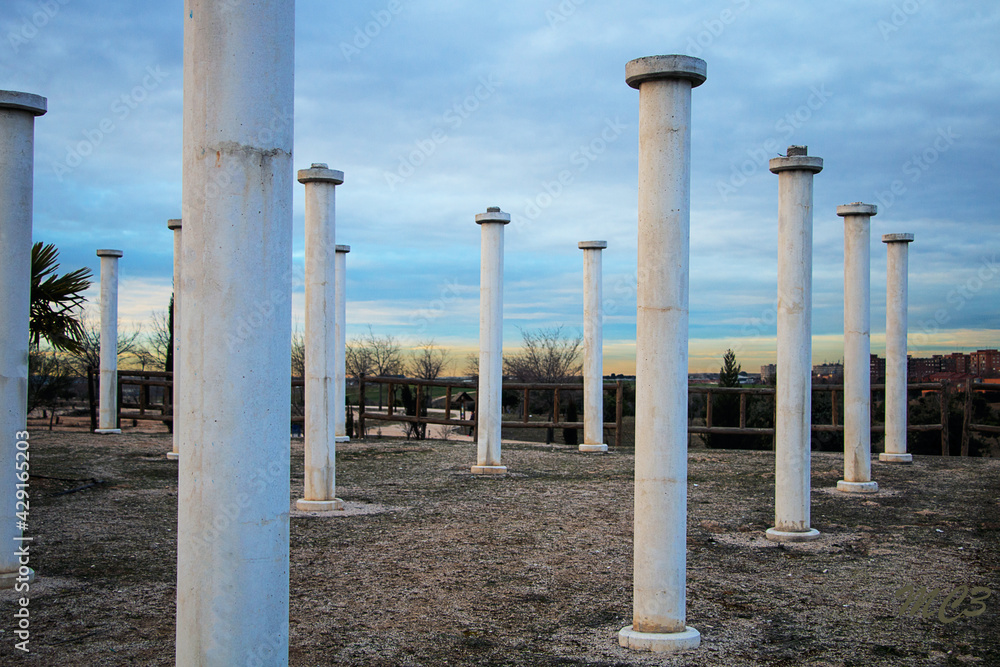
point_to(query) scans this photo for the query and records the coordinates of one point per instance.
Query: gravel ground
(430, 565)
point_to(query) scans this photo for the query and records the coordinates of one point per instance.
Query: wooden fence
(423, 386)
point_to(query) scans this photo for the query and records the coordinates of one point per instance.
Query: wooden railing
(423, 386)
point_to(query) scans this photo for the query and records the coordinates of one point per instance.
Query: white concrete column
(593, 348)
(857, 349)
(236, 328)
(175, 226)
(321, 340)
(661, 439)
(17, 160)
(340, 383)
(793, 420)
(108, 416)
(488, 407)
(896, 287)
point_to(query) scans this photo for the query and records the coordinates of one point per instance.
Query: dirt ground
(433, 566)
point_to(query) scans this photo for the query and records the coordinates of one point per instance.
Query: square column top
(857, 208)
(319, 172)
(493, 214)
(109, 253)
(342, 248)
(651, 68)
(797, 158)
(174, 224)
(33, 104)
(897, 238)
(592, 245)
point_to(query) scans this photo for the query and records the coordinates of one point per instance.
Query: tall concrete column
(793, 421)
(593, 348)
(17, 174)
(488, 408)
(340, 383)
(896, 287)
(857, 349)
(321, 340)
(175, 226)
(108, 416)
(661, 439)
(236, 329)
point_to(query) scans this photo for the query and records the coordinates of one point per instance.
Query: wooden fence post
(361, 405)
(91, 391)
(619, 400)
(945, 434)
(967, 418)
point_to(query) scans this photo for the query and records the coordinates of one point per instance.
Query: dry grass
(437, 567)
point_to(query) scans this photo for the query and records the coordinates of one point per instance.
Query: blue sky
(435, 110)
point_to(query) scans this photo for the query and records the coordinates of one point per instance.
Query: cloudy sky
(435, 110)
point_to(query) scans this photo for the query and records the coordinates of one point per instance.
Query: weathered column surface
(896, 288)
(321, 340)
(661, 438)
(175, 226)
(857, 349)
(488, 408)
(17, 160)
(593, 348)
(233, 500)
(793, 422)
(340, 384)
(108, 416)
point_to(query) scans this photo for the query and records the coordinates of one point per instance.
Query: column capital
(652, 68)
(592, 245)
(857, 208)
(33, 104)
(174, 224)
(493, 214)
(897, 238)
(342, 248)
(797, 158)
(319, 172)
(109, 253)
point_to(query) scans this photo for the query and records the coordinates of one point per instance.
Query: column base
(886, 457)
(776, 535)
(659, 642)
(857, 487)
(173, 456)
(10, 579)
(108, 431)
(489, 470)
(342, 438)
(319, 505)
(593, 448)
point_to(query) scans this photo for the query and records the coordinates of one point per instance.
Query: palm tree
(56, 300)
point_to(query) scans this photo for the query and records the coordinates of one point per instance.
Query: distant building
(985, 363)
(767, 373)
(830, 373)
(877, 366)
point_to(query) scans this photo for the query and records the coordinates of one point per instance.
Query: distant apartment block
(767, 373)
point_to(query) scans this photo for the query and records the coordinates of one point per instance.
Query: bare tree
(472, 365)
(546, 355)
(89, 353)
(427, 361)
(374, 355)
(157, 349)
(298, 354)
